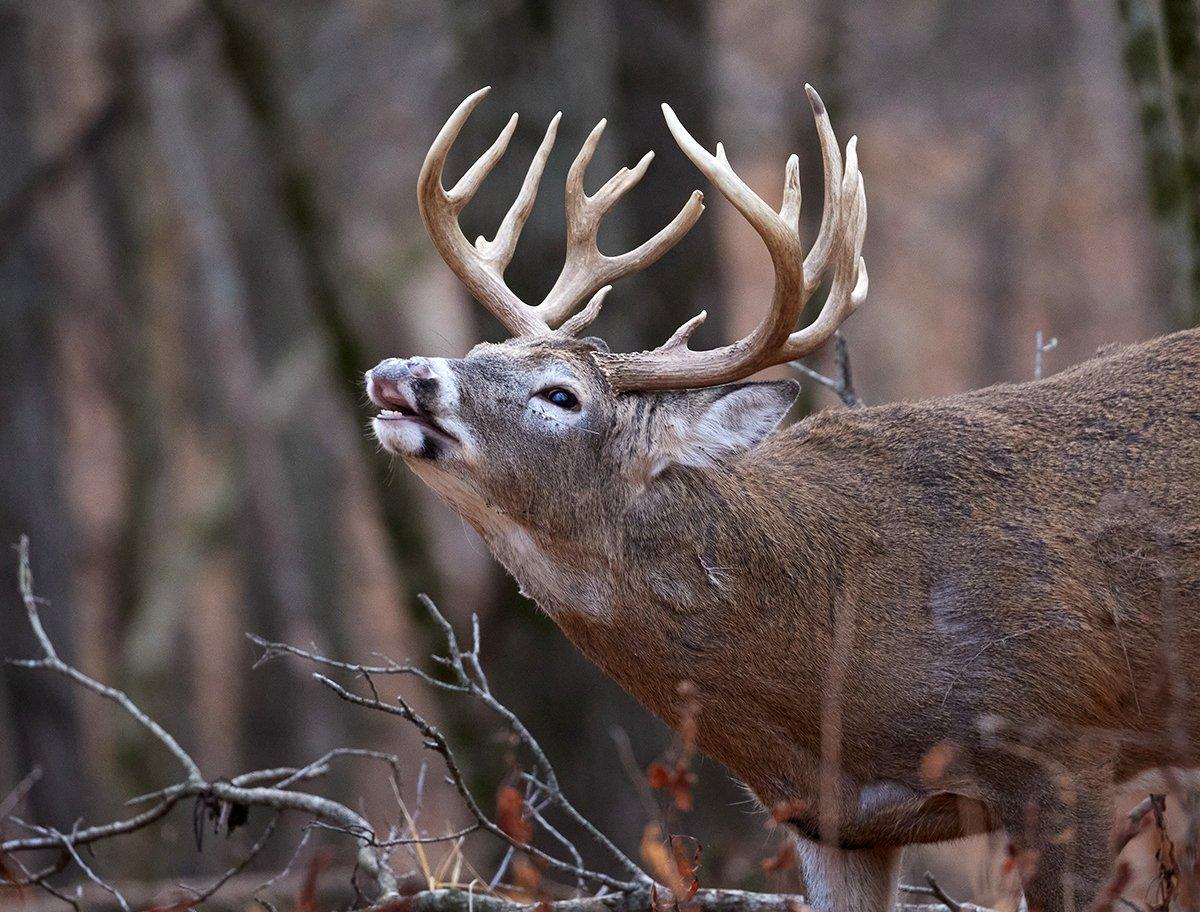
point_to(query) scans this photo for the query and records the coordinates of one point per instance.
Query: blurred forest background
(208, 230)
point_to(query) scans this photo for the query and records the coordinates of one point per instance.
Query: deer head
(544, 439)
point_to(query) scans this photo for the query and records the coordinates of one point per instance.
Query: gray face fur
(547, 478)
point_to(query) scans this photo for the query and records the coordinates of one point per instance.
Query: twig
(936, 889)
(246, 793)
(40, 879)
(392, 841)
(1133, 822)
(270, 882)
(843, 386)
(14, 798)
(200, 896)
(561, 839)
(67, 842)
(52, 662)
(1039, 350)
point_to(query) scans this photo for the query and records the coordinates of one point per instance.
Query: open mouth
(415, 416)
(402, 425)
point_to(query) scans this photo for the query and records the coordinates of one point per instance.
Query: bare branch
(68, 845)
(436, 741)
(843, 385)
(944, 898)
(245, 791)
(52, 662)
(14, 798)
(1040, 349)
(201, 896)
(456, 900)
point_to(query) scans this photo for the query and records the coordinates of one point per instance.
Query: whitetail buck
(904, 624)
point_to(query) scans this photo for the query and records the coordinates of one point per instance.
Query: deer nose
(397, 369)
(401, 383)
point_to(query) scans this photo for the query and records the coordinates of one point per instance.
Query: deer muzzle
(414, 396)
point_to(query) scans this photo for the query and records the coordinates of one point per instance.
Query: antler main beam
(774, 340)
(480, 267)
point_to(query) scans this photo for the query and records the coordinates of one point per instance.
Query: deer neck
(699, 584)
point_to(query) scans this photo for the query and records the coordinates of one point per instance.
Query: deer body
(901, 624)
(1016, 552)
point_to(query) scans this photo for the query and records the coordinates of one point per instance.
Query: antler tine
(618, 185)
(789, 209)
(582, 319)
(468, 185)
(576, 197)
(774, 340)
(499, 251)
(859, 294)
(717, 169)
(848, 287)
(586, 269)
(779, 231)
(480, 271)
(831, 159)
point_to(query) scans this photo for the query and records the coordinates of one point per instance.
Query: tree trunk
(42, 712)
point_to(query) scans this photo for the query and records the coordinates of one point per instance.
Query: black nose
(395, 369)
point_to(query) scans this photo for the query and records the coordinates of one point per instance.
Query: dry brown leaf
(511, 816)
(781, 860)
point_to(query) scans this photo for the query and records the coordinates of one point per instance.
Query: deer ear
(725, 421)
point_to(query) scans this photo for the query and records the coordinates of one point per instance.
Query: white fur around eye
(544, 414)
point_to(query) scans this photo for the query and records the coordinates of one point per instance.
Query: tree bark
(42, 714)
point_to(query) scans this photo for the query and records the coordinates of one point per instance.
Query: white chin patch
(404, 438)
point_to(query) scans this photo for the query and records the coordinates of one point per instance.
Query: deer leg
(849, 880)
(1062, 837)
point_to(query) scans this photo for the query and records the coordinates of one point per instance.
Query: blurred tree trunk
(41, 708)
(171, 81)
(663, 54)
(617, 59)
(249, 57)
(1162, 58)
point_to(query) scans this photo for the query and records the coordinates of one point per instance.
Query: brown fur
(908, 622)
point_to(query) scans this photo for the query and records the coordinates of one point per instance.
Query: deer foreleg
(849, 880)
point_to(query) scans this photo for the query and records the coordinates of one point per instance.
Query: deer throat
(562, 578)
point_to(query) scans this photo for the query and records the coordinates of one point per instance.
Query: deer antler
(480, 267)
(838, 247)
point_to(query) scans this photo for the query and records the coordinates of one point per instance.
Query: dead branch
(703, 901)
(216, 791)
(470, 679)
(843, 384)
(274, 789)
(1040, 349)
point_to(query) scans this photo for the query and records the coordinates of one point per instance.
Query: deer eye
(563, 398)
